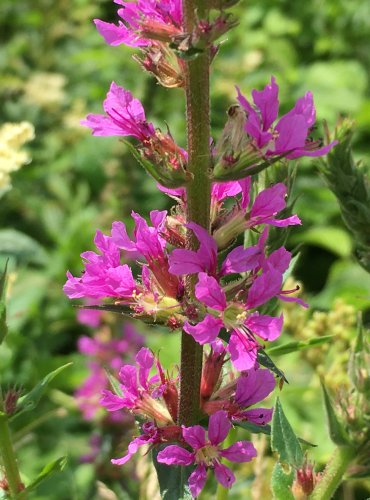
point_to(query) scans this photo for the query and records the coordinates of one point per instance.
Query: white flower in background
(12, 137)
(45, 89)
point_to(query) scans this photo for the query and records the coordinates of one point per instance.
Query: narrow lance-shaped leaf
(29, 401)
(265, 429)
(336, 429)
(298, 345)
(281, 483)
(49, 470)
(267, 362)
(283, 439)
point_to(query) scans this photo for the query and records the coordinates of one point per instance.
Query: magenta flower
(290, 137)
(125, 116)
(239, 260)
(236, 397)
(207, 453)
(235, 316)
(140, 392)
(264, 210)
(155, 295)
(143, 22)
(150, 436)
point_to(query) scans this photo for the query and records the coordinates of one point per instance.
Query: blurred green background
(54, 69)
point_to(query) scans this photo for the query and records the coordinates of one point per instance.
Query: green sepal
(337, 431)
(29, 401)
(245, 166)
(170, 179)
(283, 439)
(173, 479)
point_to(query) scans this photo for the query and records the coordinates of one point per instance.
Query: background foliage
(54, 69)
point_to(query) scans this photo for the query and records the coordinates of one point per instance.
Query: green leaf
(281, 483)
(283, 439)
(29, 401)
(333, 239)
(49, 469)
(3, 324)
(336, 430)
(173, 480)
(114, 384)
(254, 428)
(299, 345)
(267, 362)
(265, 429)
(21, 246)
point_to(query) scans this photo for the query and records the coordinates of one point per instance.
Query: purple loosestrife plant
(194, 276)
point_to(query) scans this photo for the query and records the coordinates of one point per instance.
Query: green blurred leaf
(22, 247)
(3, 324)
(336, 430)
(334, 239)
(283, 439)
(281, 483)
(173, 480)
(29, 401)
(49, 470)
(299, 345)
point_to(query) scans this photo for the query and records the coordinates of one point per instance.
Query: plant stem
(333, 474)
(198, 200)
(8, 457)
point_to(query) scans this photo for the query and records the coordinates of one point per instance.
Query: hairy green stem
(333, 474)
(8, 458)
(198, 201)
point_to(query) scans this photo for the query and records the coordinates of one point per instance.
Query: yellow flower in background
(12, 137)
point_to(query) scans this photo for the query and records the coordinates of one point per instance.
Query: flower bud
(10, 401)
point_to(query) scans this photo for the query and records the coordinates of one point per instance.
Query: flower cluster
(251, 141)
(155, 27)
(232, 311)
(154, 397)
(12, 137)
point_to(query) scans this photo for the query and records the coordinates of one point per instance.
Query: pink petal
(259, 416)
(210, 292)
(269, 201)
(145, 359)
(195, 436)
(265, 287)
(243, 352)
(268, 103)
(175, 455)
(241, 451)
(241, 259)
(254, 386)
(218, 427)
(205, 331)
(224, 475)
(267, 327)
(197, 480)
